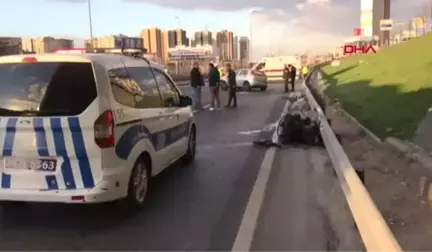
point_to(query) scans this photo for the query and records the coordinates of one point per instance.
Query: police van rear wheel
(138, 184)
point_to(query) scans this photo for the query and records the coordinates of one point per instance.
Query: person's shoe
(218, 109)
(211, 109)
(227, 106)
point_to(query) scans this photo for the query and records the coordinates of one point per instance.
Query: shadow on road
(85, 218)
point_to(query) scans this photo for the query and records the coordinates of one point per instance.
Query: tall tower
(152, 40)
(381, 10)
(225, 43)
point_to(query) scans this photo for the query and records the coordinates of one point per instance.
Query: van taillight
(104, 130)
(29, 60)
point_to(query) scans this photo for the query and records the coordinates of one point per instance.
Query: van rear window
(46, 88)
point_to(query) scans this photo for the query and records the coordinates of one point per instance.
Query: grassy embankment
(388, 92)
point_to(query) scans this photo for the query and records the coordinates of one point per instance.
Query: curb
(368, 133)
(375, 139)
(410, 151)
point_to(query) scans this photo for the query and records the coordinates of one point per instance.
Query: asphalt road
(198, 207)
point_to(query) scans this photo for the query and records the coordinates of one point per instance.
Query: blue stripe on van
(42, 148)
(7, 148)
(10, 136)
(6, 180)
(60, 147)
(51, 182)
(80, 152)
(136, 133)
(41, 141)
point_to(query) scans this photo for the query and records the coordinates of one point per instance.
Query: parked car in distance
(247, 79)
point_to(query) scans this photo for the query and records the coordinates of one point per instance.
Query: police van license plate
(31, 164)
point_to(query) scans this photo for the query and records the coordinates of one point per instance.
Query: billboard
(191, 52)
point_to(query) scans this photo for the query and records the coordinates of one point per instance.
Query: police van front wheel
(190, 154)
(138, 184)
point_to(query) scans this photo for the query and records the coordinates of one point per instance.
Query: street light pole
(178, 38)
(178, 22)
(90, 22)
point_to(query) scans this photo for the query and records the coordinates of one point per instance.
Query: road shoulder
(304, 208)
(392, 181)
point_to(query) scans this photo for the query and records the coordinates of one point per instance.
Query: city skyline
(308, 21)
(77, 27)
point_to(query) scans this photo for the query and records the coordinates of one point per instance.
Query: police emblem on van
(26, 122)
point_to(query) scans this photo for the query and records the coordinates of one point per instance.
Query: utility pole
(178, 38)
(90, 23)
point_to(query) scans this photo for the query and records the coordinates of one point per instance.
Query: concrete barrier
(375, 233)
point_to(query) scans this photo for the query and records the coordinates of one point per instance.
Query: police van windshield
(46, 88)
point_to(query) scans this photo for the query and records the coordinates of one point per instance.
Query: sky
(278, 26)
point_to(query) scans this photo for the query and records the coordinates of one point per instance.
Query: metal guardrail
(375, 233)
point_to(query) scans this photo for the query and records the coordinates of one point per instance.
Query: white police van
(87, 128)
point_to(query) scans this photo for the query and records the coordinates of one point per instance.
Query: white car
(87, 128)
(247, 79)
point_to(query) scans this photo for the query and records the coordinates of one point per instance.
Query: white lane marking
(266, 128)
(243, 241)
(227, 145)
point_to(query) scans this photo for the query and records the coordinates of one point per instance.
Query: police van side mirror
(185, 101)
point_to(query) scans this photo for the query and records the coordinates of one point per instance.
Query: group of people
(289, 76)
(214, 78)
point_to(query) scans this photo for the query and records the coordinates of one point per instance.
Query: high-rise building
(115, 42)
(172, 38)
(244, 50)
(380, 10)
(165, 46)
(10, 45)
(225, 43)
(152, 40)
(45, 44)
(177, 38)
(182, 39)
(372, 12)
(203, 37)
(235, 48)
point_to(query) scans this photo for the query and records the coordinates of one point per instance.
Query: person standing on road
(232, 87)
(293, 74)
(214, 79)
(197, 82)
(286, 77)
(305, 71)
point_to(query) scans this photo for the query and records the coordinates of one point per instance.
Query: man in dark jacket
(286, 77)
(214, 79)
(197, 81)
(293, 74)
(232, 87)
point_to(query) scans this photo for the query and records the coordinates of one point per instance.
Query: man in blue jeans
(197, 81)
